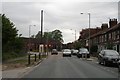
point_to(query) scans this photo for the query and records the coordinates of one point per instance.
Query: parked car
(54, 51)
(83, 52)
(74, 52)
(119, 66)
(66, 52)
(108, 57)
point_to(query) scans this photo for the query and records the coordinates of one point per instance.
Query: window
(113, 35)
(117, 34)
(102, 38)
(99, 39)
(105, 37)
(109, 35)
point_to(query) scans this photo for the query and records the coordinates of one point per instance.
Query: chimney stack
(104, 26)
(112, 22)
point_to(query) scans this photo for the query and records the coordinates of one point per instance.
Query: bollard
(86, 56)
(39, 56)
(47, 54)
(82, 55)
(35, 57)
(28, 58)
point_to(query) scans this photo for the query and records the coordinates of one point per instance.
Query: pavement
(18, 72)
(0, 71)
(14, 73)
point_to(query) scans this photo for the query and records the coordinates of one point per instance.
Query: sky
(59, 14)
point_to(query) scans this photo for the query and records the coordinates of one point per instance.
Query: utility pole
(29, 43)
(89, 32)
(41, 26)
(75, 35)
(89, 16)
(41, 34)
(47, 50)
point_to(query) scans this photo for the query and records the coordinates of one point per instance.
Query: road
(56, 66)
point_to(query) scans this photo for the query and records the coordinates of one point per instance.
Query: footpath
(19, 72)
(0, 71)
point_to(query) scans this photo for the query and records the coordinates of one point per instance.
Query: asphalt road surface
(56, 66)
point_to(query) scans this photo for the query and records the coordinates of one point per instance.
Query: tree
(9, 33)
(32, 36)
(57, 35)
(94, 48)
(109, 45)
(12, 44)
(48, 35)
(77, 45)
(38, 35)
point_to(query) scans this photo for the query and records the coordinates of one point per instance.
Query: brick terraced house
(107, 37)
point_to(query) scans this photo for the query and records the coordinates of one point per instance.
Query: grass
(11, 55)
(14, 60)
(17, 64)
(42, 56)
(21, 62)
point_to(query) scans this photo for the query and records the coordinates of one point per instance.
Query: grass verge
(21, 62)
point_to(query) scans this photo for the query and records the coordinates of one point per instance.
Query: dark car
(54, 51)
(107, 57)
(119, 65)
(83, 52)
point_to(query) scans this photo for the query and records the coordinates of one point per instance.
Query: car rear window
(111, 53)
(83, 50)
(67, 50)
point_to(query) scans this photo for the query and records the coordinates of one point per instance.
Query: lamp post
(47, 42)
(89, 16)
(29, 43)
(41, 26)
(30, 35)
(74, 44)
(89, 28)
(74, 34)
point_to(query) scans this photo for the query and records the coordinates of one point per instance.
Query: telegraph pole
(89, 32)
(75, 35)
(41, 34)
(41, 25)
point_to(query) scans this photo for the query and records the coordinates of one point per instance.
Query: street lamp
(75, 38)
(29, 43)
(29, 35)
(74, 34)
(89, 27)
(47, 41)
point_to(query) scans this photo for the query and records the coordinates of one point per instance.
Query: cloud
(61, 1)
(119, 11)
(61, 15)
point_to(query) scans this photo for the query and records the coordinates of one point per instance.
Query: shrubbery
(12, 44)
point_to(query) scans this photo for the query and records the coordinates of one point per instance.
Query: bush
(12, 55)
(12, 44)
(94, 48)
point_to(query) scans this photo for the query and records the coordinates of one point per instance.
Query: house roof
(106, 30)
